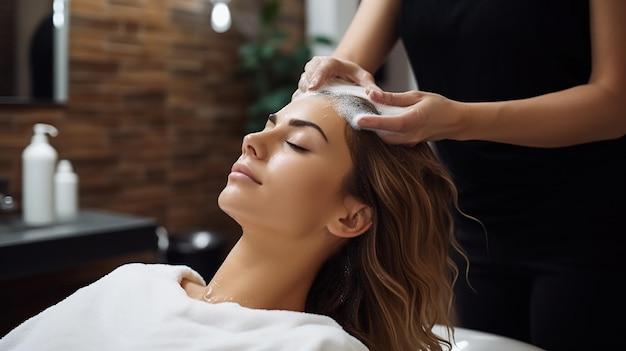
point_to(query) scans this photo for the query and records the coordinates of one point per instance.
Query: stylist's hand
(321, 68)
(429, 117)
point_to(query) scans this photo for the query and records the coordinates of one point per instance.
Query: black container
(202, 250)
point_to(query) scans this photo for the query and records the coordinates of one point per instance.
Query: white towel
(143, 307)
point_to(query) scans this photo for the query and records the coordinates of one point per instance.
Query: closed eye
(296, 147)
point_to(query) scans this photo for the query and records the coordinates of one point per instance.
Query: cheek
(313, 181)
(305, 206)
(299, 195)
(314, 190)
(295, 203)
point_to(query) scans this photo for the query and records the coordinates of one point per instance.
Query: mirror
(34, 51)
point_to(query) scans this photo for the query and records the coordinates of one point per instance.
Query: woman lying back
(344, 246)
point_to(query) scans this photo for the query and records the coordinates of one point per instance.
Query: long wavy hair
(389, 286)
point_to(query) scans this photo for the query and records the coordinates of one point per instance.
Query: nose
(252, 145)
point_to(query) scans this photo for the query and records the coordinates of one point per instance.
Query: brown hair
(391, 285)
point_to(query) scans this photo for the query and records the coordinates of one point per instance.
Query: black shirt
(492, 50)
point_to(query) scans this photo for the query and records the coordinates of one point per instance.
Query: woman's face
(290, 175)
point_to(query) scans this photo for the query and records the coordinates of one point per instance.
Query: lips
(241, 170)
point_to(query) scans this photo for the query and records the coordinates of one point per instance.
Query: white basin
(474, 340)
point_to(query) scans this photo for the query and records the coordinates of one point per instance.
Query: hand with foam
(405, 118)
(353, 111)
(320, 69)
(423, 117)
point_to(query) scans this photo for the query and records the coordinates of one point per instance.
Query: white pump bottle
(65, 191)
(38, 166)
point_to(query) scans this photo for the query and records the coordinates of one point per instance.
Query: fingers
(310, 69)
(401, 129)
(389, 124)
(321, 68)
(389, 129)
(316, 72)
(303, 83)
(395, 99)
(366, 79)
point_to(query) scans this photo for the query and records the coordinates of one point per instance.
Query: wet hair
(389, 286)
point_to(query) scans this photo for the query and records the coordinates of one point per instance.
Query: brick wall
(155, 117)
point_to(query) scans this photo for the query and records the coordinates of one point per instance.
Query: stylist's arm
(590, 112)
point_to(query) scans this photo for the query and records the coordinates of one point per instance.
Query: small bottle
(38, 161)
(65, 191)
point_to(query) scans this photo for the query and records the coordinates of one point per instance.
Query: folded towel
(143, 307)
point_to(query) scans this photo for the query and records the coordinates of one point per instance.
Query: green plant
(274, 70)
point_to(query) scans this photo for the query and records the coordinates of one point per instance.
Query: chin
(230, 203)
(223, 200)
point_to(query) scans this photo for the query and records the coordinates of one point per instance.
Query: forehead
(317, 109)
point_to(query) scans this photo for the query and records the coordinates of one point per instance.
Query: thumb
(387, 124)
(403, 99)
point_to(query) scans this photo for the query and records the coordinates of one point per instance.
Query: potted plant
(273, 68)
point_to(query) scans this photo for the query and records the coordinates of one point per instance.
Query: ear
(352, 220)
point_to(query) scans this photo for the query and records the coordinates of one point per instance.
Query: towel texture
(143, 307)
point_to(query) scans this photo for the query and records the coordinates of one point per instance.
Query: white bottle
(65, 191)
(38, 163)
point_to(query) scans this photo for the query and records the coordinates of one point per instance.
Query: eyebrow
(300, 123)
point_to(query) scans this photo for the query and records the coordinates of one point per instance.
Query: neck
(262, 276)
